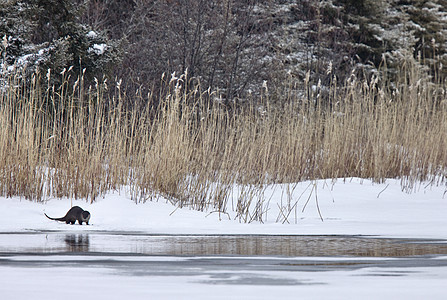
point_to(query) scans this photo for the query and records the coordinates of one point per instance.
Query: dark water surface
(200, 245)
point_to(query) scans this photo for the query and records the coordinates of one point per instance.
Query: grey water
(140, 254)
(199, 245)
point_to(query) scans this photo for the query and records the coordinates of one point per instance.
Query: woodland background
(231, 46)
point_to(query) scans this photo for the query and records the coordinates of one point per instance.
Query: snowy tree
(48, 35)
(356, 36)
(429, 28)
(16, 27)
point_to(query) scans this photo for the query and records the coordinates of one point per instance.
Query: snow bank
(348, 207)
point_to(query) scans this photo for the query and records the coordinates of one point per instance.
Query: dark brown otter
(74, 214)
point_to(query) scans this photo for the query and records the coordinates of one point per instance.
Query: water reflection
(191, 245)
(77, 242)
(290, 246)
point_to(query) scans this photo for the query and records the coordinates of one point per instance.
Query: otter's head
(85, 216)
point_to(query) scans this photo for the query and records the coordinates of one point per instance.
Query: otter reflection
(77, 242)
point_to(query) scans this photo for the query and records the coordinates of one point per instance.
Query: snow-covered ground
(350, 207)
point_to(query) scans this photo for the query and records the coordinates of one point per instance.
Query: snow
(91, 34)
(348, 207)
(98, 49)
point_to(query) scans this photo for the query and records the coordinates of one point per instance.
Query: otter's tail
(55, 219)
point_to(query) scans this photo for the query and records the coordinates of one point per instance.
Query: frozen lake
(375, 242)
(133, 265)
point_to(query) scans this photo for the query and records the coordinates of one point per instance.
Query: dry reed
(74, 141)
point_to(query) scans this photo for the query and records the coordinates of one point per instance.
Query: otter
(74, 214)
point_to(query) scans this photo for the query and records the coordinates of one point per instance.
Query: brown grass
(73, 141)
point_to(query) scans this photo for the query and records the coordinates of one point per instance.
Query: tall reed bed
(80, 142)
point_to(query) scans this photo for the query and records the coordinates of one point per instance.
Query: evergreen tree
(429, 30)
(16, 27)
(47, 34)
